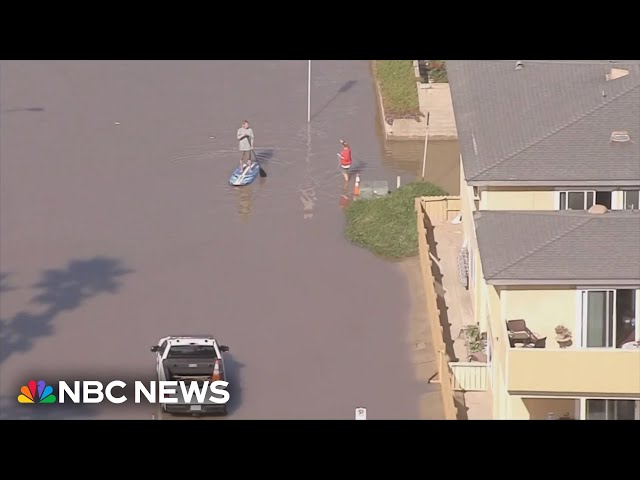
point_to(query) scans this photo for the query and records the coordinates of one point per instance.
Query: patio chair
(519, 333)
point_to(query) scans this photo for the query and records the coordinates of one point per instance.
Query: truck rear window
(194, 351)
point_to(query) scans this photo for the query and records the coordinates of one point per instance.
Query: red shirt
(345, 156)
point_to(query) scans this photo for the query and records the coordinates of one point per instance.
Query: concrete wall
(445, 374)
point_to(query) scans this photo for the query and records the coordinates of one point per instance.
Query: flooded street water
(118, 227)
(442, 164)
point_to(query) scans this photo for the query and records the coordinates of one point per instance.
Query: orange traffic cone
(216, 372)
(356, 187)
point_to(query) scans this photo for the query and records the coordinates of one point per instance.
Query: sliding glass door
(597, 318)
(608, 317)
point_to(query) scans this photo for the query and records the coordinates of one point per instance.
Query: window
(612, 409)
(192, 351)
(584, 200)
(577, 200)
(631, 200)
(605, 199)
(608, 318)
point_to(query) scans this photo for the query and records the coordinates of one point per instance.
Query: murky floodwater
(405, 158)
(441, 167)
(119, 227)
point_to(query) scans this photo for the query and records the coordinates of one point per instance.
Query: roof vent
(519, 65)
(598, 209)
(620, 136)
(616, 73)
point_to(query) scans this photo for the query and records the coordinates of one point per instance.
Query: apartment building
(550, 187)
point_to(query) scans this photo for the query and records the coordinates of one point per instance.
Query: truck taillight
(217, 375)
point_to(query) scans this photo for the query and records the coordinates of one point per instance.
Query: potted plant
(563, 336)
(476, 345)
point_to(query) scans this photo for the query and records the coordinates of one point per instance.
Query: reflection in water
(344, 201)
(442, 166)
(308, 197)
(245, 198)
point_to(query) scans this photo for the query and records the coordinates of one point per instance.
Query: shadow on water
(344, 88)
(233, 367)
(358, 166)
(60, 290)
(5, 285)
(264, 155)
(29, 109)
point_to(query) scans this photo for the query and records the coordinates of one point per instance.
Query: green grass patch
(397, 82)
(387, 225)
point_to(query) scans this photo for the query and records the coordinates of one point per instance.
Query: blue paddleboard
(244, 176)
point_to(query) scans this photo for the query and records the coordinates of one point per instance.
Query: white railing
(469, 376)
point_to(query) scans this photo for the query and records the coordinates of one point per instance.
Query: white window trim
(617, 200)
(623, 198)
(567, 192)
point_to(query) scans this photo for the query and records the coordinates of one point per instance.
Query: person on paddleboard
(245, 144)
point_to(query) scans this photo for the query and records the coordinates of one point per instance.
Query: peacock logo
(44, 393)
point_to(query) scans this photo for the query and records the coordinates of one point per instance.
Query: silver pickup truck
(189, 359)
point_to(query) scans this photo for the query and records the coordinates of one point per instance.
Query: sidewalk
(420, 343)
(457, 310)
(433, 98)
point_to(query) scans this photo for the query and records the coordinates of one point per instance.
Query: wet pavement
(118, 227)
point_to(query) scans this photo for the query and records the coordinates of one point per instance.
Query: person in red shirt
(345, 160)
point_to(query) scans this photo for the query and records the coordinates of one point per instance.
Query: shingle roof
(562, 247)
(547, 122)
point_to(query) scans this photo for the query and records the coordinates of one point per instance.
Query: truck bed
(200, 370)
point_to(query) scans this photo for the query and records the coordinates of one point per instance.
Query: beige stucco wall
(539, 408)
(580, 371)
(543, 309)
(500, 394)
(466, 209)
(494, 198)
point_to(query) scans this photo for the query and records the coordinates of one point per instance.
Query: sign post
(309, 94)
(426, 144)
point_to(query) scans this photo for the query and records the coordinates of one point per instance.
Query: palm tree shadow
(5, 286)
(60, 290)
(344, 88)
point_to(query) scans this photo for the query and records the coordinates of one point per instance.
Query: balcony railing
(469, 376)
(574, 371)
